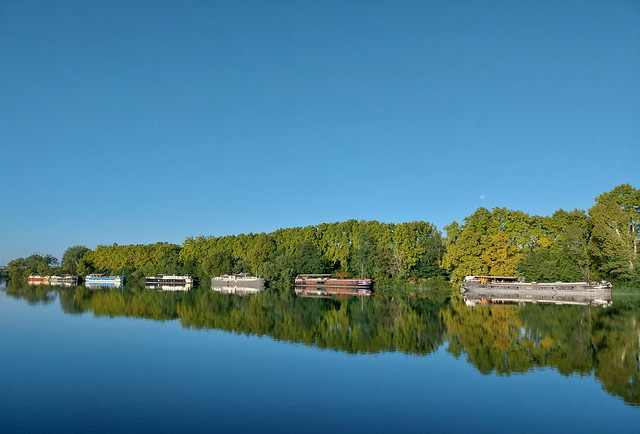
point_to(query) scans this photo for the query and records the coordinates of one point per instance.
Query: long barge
(326, 280)
(507, 289)
(518, 284)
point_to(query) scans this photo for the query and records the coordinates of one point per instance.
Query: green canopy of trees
(568, 245)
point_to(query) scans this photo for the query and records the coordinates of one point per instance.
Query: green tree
(362, 257)
(259, 253)
(20, 268)
(615, 233)
(494, 242)
(72, 257)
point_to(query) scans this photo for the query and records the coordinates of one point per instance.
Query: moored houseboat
(326, 280)
(103, 279)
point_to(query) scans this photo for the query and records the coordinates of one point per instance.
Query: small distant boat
(104, 279)
(322, 280)
(66, 280)
(241, 280)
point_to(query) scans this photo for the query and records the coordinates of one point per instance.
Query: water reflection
(330, 291)
(104, 285)
(600, 297)
(500, 339)
(236, 290)
(168, 287)
(66, 280)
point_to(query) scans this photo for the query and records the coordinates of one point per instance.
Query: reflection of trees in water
(502, 339)
(572, 339)
(616, 338)
(351, 324)
(354, 325)
(37, 294)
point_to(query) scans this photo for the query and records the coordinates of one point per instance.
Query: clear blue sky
(145, 121)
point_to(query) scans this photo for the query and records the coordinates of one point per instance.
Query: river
(134, 359)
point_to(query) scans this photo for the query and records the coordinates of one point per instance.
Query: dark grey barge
(503, 289)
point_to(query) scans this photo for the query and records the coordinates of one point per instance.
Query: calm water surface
(74, 360)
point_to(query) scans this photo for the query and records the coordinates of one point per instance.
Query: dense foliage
(600, 244)
(20, 268)
(568, 245)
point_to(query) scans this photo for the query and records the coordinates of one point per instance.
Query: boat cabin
(494, 279)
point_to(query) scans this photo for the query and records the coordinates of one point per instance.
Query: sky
(144, 121)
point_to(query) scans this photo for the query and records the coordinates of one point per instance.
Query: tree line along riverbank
(595, 244)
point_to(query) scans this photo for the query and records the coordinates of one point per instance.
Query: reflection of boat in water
(104, 285)
(104, 279)
(66, 280)
(236, 289)
(499, 289)
(170, 287)
(326, 280)
(240, 280)
(330, 291)
(171, 282)
(38, 280)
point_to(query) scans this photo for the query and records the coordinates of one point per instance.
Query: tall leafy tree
(489, 242)
(72, 257)
(615, 235)
(260, 251)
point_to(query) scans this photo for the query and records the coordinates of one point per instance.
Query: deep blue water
(88, 372)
